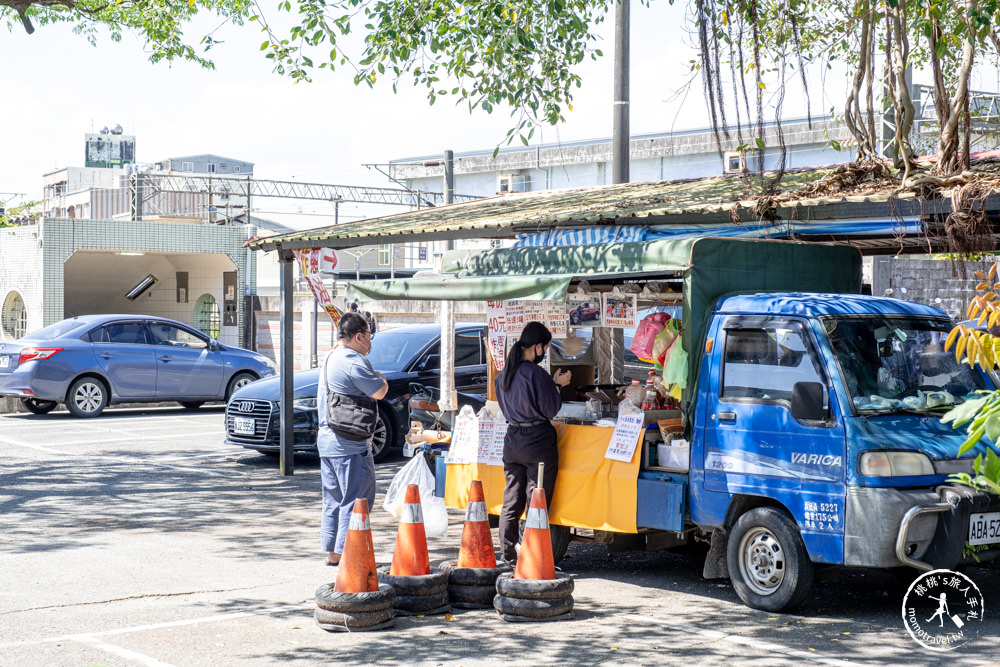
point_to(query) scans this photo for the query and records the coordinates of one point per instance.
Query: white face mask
(368, 338)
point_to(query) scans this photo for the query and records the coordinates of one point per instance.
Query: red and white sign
(312, 262)
(496, 321)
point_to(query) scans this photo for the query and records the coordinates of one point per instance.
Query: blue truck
(813, 411)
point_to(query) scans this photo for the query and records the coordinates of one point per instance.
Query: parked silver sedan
(91, 361)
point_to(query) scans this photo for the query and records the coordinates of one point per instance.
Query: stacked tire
(471, 587)
(526, 600)
(424, 594)
(354, 612)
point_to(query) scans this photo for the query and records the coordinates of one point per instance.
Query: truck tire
(476, 596)
(330, 600)
(535, 589)
(537, 609)
(767, 560)
(352, 620)
(418, 585)
(435, 603)
(471, 576)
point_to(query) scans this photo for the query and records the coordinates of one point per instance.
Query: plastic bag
(433, 508)
(645, 335)
(660, 345)
(675, 368)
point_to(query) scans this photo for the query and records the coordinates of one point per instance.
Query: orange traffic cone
(535, 561)
(477, 540)
(409, 558)
(356, 573)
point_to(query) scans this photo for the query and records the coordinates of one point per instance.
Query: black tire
(38, 406)
(330, 600)
(470, 576)
(238, 381)
(419, 603)
(559, 536)
(425, 584)
(384, 436)
(268, 452)
(535, 589)
(87, 397)
(767, 560)
(360, 619)
(191, 405)
(533, 608)
(479, 595)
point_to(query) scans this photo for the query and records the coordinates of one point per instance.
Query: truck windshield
(893, 363)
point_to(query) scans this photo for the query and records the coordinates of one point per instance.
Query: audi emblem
(244, 406)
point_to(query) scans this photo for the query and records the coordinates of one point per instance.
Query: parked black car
(404, 355)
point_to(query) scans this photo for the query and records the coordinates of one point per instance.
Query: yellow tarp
(591, 491)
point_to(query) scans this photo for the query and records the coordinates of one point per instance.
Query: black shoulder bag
(351, 417)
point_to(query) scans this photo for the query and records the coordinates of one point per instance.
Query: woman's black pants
(524, 448)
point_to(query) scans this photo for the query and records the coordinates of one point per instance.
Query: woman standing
(529, 398)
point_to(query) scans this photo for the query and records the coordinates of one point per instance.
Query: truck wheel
(767, 560)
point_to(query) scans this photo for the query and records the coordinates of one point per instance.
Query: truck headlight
(894, 464)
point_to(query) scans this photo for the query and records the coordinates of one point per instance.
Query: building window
(211, 167)
(14, 317)
(207, 317)
(384, 254)
(237, 169)
(187, 166)
(735, 162)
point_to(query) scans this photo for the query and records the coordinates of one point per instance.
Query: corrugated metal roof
(691, 202)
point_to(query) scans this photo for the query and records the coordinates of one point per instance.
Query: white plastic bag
(432, 507)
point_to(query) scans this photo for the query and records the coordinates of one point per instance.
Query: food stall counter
(591, 491)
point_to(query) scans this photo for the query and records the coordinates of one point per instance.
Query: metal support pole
(315, 362)
(287, 365)
(449, 398)
(449, 184)
(620, 136)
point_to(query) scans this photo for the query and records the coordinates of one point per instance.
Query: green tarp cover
(497, 288)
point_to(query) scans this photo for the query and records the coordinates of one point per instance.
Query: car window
(392, 351)
(468, 349)
(168, 334)
(766, 363)
(120, 333)
(56, 330)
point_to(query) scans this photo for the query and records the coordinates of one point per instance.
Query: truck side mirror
(808, 401)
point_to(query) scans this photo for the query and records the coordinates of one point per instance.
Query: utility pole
(449, 183)
(620, 135)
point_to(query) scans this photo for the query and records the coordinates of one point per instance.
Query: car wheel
(192, 405)
(239, 381)
(87, 397)
(38, 406)
(382, 439)
(768, 563)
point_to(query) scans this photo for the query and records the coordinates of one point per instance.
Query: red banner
(312, 262)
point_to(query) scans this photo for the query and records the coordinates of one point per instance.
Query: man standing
(347, 469)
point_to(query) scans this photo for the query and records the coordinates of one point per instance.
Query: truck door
(754, 446)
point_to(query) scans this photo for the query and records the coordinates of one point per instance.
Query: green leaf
(991, 469)
(964, 413)
(835, 144)
(972, 440)
(992, 425)
(760, 143)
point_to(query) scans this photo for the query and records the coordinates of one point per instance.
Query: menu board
(464, 440)
(495, 457)
(515, 318)
(625, 438)
(534, 311)
(487, 427)
(555, 318)
(496, 336)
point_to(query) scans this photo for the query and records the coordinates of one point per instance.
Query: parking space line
(744, 641)
(121, 652)
(91, 636)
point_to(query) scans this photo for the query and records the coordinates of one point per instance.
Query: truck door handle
(727, 416)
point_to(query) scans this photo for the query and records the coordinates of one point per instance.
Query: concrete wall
(20, 260)
(933, 282)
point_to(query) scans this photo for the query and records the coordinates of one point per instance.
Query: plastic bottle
(634, 392)
(649, 401)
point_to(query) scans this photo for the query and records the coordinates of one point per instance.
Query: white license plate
(984, 528)
(4, 361)
(243, 426)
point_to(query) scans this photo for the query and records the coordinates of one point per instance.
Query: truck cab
(816, 438)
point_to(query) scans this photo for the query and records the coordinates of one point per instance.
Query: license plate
(243, 426)
(4, 361)
(984, 528)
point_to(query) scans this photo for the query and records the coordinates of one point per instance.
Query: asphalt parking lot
(139, 538)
